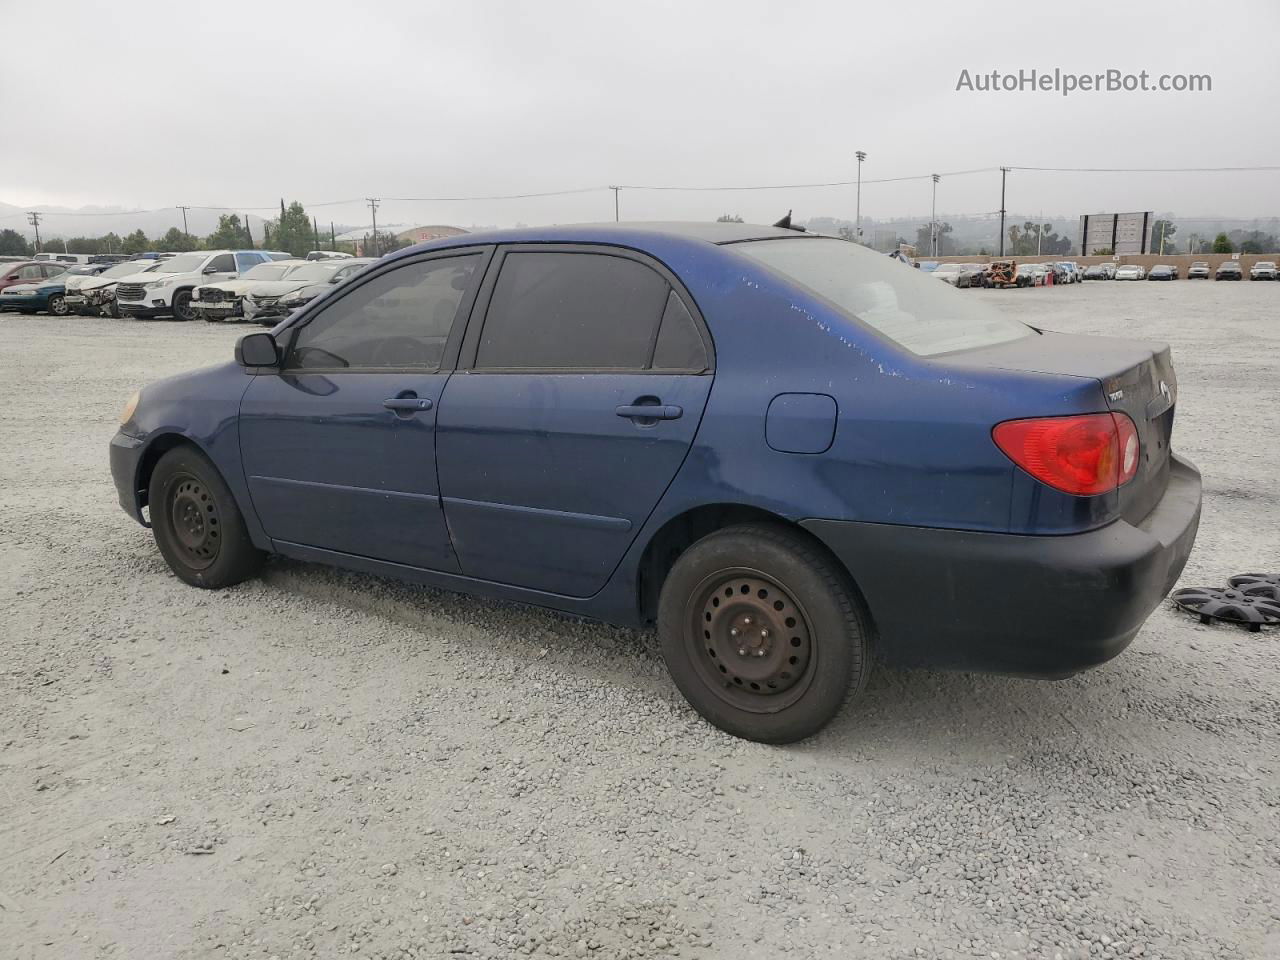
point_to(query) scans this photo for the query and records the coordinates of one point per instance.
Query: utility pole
(616, 191)
(1163, 224)
(373, 209)
(333, 237)
(933, 218)
(33, 218)
(185, 231)
(857, 216)
(1004, 173)
(1039, 233)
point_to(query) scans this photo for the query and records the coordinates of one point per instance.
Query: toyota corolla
(786, 451)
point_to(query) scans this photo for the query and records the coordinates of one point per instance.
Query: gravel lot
(323, 764)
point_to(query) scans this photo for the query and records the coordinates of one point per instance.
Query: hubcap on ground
(194, 519)
(750, 640)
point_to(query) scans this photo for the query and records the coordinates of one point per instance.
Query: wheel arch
(157, 446)
(684, 529)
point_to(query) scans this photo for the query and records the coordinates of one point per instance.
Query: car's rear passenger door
(339, 444)
(582, 380)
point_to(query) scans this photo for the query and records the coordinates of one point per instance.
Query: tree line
(294, 231)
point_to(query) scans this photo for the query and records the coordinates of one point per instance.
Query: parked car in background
(1031, 274)
(328, 255)
(947, 272)
(327, 276)
(1229, 270)
(166, 291)
(772, 527)
(1001, 273)
(1099, 271)
(1130, 271)
(1074, 273)
(1263, 270)
(62, 257)
(28, 271)
(1199, 271)
(94, 295)
(48, 294)
(237, 299)
(1162, 271)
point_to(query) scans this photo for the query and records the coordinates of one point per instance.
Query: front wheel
(766, 637)
(197, 523)
(182, 309)
(58, 305)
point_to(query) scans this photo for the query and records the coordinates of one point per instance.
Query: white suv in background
(167, 289)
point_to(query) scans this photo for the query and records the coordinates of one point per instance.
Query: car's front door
(339, 445)
(575, 405)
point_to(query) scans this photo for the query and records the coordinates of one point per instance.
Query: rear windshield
(908, 307)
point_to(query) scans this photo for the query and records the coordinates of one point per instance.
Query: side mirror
(210, 269)
(257, 350)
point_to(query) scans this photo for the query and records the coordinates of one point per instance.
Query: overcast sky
(177, 102)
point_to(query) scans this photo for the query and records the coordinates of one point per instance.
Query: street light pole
(857, 222)
(616, 191)
(933, 218)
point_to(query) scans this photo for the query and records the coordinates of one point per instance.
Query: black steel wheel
(750, 640)
(182, 309)
(197, 523)
(763, 633)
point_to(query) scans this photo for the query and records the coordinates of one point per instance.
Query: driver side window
(399, 320)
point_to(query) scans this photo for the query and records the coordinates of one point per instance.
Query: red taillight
(1084, 455)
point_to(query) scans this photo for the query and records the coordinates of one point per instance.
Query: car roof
(637, 234)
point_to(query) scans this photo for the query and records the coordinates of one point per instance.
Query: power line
(808, 186)
(1147, 169)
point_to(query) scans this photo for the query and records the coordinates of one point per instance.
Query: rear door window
(572, 311)
(246, 261)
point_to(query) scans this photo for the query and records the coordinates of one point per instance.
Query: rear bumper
(126, 454)
(1047, 606)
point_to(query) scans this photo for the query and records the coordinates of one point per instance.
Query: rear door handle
(407, 404)
(645, 411)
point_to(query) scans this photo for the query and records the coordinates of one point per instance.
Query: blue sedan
(784, 450)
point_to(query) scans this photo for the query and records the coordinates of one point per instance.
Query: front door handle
(647, 411)
(407, 404)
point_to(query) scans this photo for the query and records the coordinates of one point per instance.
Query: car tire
(810, 656)
(57, 305)
(197, 523)
(181, 307)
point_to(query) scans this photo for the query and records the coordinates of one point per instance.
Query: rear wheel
(763, 634)
(197, 523)
(181, 307)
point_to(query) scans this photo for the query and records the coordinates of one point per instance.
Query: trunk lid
(1135, 378)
